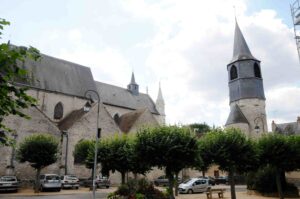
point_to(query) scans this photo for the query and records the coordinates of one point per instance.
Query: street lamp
(87, 107)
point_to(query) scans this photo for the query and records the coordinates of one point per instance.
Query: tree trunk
(278, 183)
(232, 184)
(123, 177)
(37, 180)
(176, 184)
(203, 173)
(171, 183)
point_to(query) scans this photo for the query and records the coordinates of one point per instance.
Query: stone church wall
(47, 101)
(254, 111)
(23, 127)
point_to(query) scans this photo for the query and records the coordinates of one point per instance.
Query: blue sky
(184, 44)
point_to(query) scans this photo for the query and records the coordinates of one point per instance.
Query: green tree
(200, 128)
(39, 150)
(81, 151)
(168, 147)
(280, 153)
(116, 154)
(230, 150)
(13, 98)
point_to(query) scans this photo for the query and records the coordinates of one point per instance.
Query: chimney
(298, 119)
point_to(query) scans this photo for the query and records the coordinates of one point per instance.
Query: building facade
(63, 91)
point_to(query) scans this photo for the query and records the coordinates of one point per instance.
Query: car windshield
(187, 181)
(52, 177)
(8, 179)
(70, 178)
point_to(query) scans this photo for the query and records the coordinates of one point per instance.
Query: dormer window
(58, 111)
(257, 71)
(233, 72)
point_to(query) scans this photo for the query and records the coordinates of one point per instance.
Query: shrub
(264, 182)
(123, 190)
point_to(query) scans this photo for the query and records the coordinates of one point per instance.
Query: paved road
(69, 196)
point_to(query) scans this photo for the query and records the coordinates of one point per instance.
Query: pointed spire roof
(132, 79)
(241, 50)
(159, 96)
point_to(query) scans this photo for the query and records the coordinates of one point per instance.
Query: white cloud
(185, 44)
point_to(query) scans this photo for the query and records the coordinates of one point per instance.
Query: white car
(194, 185)
(50, 181)
(69, 181)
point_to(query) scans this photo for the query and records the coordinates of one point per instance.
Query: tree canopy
(231, 150)
(39, 150)
(169, 147)
(280, 153)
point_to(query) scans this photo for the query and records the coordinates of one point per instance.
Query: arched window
(233, 73)
(58, 111)
(257, 71)
(117, 118)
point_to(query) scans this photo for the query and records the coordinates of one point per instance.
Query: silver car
(194, 185)
(9, 183)
(50, 181)
(69, 181)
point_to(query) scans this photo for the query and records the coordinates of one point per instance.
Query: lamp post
(65, 133)
(98, 134)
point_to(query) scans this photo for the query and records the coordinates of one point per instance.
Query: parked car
(163, 181)
(50, 181)
(211, 180)
(221, 180)
(9, 183)
(100, 182)
(194, 185)
(69, 181)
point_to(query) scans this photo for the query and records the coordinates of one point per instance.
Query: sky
(185, 45)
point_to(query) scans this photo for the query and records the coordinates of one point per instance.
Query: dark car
(163, 181)
(100, 182)
(9, 183)
(221, 180)
(211, 180)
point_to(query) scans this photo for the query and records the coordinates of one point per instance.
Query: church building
(67, 107)
(246, 91)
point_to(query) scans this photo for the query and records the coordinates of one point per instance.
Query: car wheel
(76, 187)
(58, 189)
(190, 191)
(107, 186)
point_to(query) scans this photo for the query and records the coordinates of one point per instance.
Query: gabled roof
(71, 119)
(236, 116)
(127, 120)
(288, 128)
(241, 50)
(117, 96)
(56, 75)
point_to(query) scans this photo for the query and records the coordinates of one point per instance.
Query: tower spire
(160, 106)
(133, 87)
(241, 50)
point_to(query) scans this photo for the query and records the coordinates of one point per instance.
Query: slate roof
(236, 116)
(71, 119)
(117, 96)
(288, 128)
(241, 50)
(58, 75)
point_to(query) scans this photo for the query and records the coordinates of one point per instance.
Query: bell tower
(133, 87)
(246, 91)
